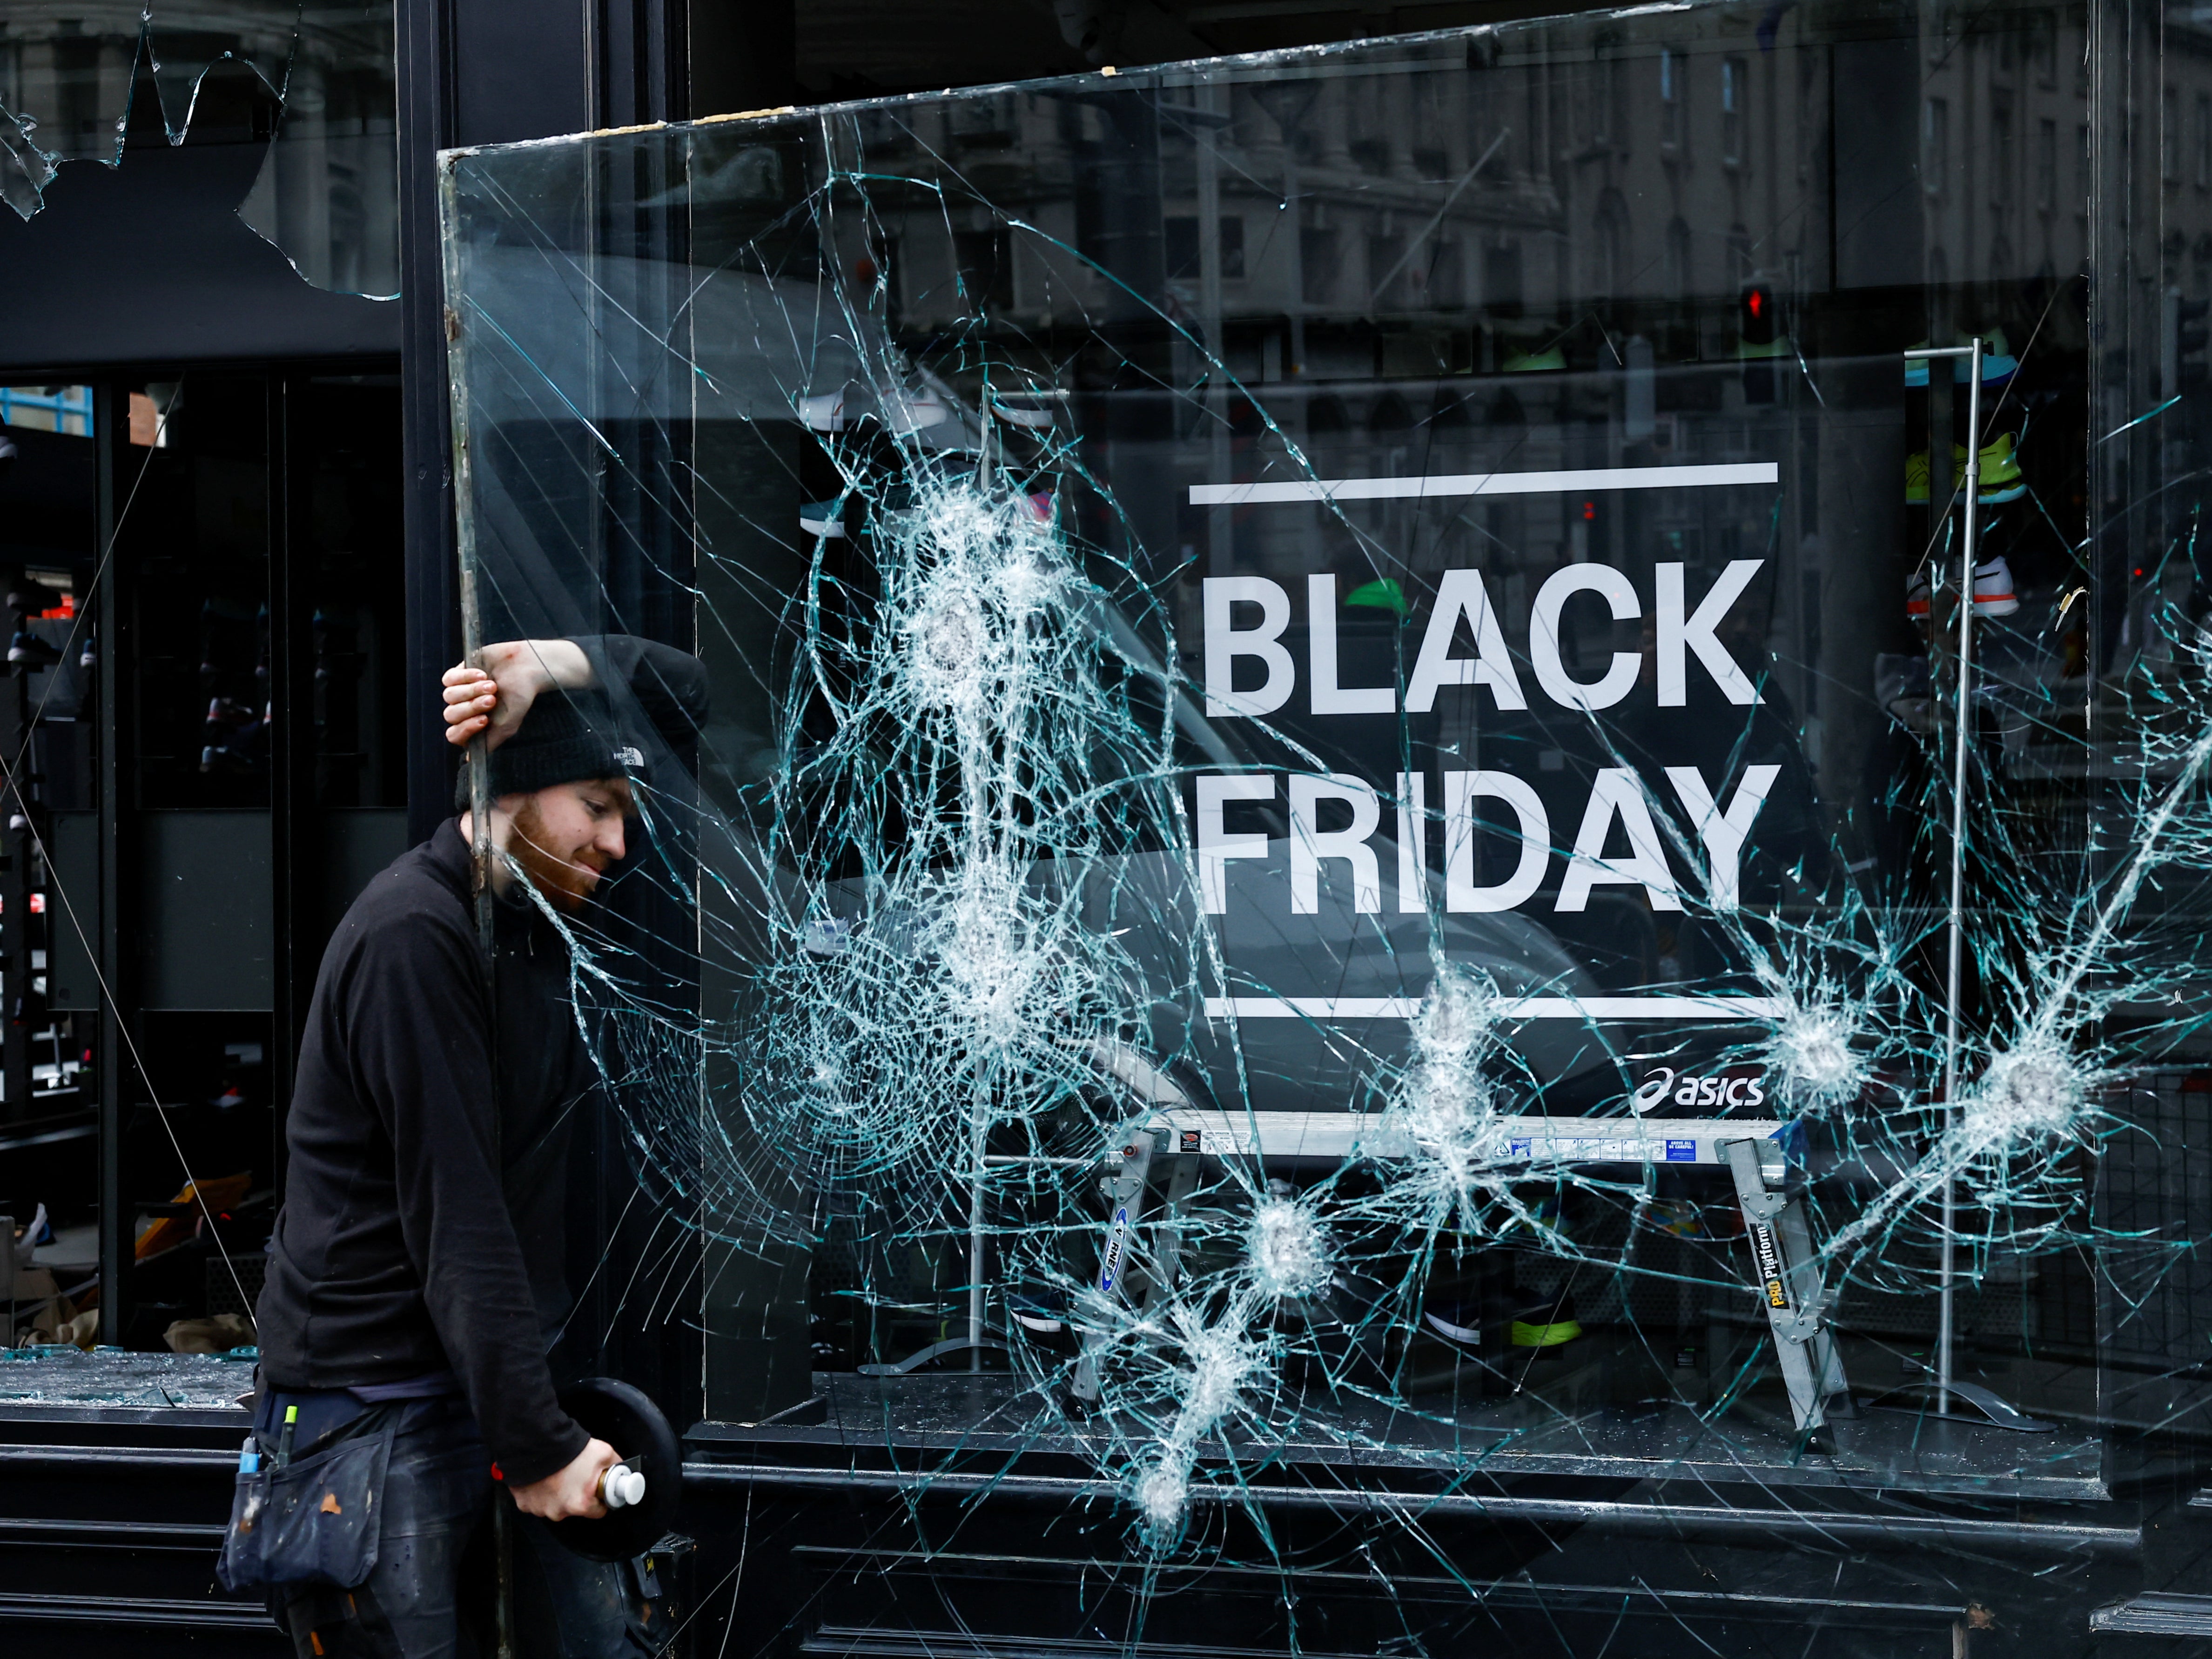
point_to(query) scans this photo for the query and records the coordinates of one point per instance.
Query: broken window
(1356, 887)
(311, 86)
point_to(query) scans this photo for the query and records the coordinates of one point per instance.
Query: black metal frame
(118, 968)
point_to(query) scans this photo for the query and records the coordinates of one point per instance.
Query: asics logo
(1667, 1084)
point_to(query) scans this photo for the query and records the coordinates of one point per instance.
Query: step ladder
(1139, 1263)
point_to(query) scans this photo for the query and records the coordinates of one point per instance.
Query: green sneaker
(2000, 474)
(1382, 594)
(2002, 479)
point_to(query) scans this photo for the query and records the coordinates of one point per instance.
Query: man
(414, 1271)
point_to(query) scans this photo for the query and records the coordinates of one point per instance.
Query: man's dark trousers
(431, 1593)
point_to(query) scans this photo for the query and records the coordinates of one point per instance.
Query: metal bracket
(934, 1350)
(1991, 1404)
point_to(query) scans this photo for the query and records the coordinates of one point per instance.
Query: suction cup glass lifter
(647, 1482)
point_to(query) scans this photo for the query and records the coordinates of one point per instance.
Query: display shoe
(1041, 1313)
(30, 598)
(1455, 1324)
(1993, 595)
(1382, 594)
(1546, 1329)
(1998, 364)
(1915, 480)
(35, 1232)
(2002, 478)
(822, 519)
(2000, 475)
(26, 649)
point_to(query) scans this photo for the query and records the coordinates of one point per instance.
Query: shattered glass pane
(61, 1375)
(313, 84)
(1392, 798)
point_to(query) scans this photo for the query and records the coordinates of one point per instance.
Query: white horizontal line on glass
(1486, 483)
(1690, 1007)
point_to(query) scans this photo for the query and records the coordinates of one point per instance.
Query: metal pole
(16, 931)
(1945, 1272)
(115, 965)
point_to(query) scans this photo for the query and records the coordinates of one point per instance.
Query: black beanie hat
(565, 738)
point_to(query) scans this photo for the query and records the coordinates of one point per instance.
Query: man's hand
(572, 1493)
(493, 699)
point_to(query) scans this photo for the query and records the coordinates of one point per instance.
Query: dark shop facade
(1427, 873)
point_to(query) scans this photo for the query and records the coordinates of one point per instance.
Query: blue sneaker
(26, 649)
(1998, 364)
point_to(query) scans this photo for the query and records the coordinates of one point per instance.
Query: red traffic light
(1758, 315)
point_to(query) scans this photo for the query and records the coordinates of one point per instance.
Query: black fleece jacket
(420, 1232)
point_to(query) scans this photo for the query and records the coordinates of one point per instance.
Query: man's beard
(566, 886)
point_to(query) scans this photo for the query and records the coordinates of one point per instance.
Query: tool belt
(312, 1519)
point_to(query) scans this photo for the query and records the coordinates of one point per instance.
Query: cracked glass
(313, 85)
(1434, 765)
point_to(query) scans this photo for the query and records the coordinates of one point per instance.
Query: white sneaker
(1993, 595)
(35, 1233)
